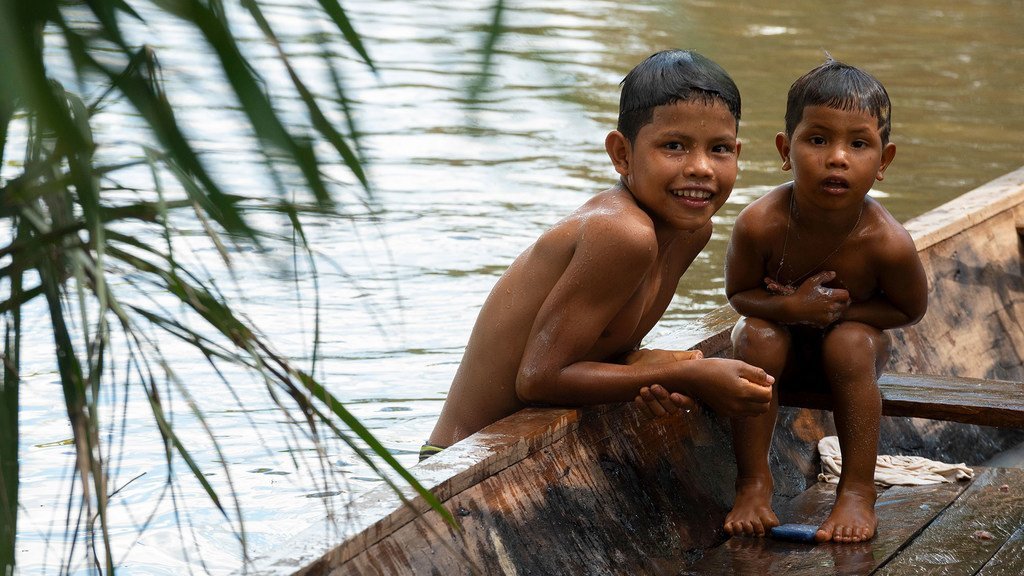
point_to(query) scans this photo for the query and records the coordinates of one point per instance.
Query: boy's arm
(751, 296)
(656, 400)
(901, 300)
(903, 286)
(559, 365)
(811, 304)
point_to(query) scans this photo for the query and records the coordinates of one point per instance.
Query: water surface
(461, 187)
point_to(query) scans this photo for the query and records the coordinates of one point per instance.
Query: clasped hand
(815, 304)
(656, 399)
(730, 387)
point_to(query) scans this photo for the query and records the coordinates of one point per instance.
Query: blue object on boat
(795, 532)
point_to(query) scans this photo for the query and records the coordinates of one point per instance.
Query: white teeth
(699, 194)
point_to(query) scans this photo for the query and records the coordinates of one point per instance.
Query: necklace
(785, 244)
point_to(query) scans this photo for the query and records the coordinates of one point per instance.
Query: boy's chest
(854, 260)
(860, 281)
(855, 272)
(643, 309)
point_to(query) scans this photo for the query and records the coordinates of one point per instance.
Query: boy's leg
(766, 345)
(854, 355)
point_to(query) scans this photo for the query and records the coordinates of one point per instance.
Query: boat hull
(608, 490)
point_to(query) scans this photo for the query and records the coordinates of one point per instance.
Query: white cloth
(892, 470)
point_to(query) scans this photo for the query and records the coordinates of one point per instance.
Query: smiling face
(682, 165)
(836, 156)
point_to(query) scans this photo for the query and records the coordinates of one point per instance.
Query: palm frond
(66, 238)
(78, 248)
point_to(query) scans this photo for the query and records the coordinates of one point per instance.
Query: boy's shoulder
(609, 218)
(884, 228)
(615, 212)
(763, 215)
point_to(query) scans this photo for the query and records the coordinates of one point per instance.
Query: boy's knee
(849, 341)
(754, 335)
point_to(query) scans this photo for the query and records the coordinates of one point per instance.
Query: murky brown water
(466, 187)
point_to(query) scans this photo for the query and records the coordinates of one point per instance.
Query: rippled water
(460, 189)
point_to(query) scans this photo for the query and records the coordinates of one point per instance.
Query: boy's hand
(771, 285)
(659, 402)
(734, 388)
(820, 306)
(656, 399)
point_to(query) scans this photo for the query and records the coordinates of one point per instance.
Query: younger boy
(819, 271)
(559, 325)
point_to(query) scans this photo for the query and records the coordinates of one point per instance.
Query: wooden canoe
(608, 490)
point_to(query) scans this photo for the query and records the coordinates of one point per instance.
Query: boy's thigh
(756, 336)
(855, 347)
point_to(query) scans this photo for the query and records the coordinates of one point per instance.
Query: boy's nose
(837, 156)
(698, 165)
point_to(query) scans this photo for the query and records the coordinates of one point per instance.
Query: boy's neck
(665, 233)
(810, 217)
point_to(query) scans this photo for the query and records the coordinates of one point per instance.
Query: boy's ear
(782, 144)
(888, 153)
(617, 146)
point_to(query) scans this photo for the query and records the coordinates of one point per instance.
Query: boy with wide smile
(564, 323)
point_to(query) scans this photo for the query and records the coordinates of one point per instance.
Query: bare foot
(751, 513)
(852, 518)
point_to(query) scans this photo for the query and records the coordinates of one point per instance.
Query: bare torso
(528, 294)
(872, 256)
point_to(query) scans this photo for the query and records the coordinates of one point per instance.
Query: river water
(460, 188)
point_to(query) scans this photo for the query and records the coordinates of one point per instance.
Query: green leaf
(337, 14)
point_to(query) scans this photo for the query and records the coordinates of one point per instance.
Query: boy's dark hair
(667, 77)
(841, 86)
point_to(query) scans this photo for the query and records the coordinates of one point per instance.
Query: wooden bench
(967, 400)
(969, 527)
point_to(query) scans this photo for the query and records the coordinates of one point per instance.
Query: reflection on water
(462, 187)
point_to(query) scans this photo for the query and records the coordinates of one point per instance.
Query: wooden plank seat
(967, 527)
(980, 401)
(967, 400)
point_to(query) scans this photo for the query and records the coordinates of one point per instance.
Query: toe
(731, 529)
(824, 533)
(842, 534)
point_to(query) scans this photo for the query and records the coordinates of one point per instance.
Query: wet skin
(559, 323)
(849, 271)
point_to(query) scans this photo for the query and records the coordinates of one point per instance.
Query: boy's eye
(723, 149)
(859, 144)
(678, 146)
(817, 140)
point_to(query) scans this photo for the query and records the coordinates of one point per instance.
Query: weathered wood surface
(963, 528)
(379, 512)
(971, 533)
(1009, 560)
(967, 400)
(902, 513)
(604, 491)
(621, 495)
(973, 327)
